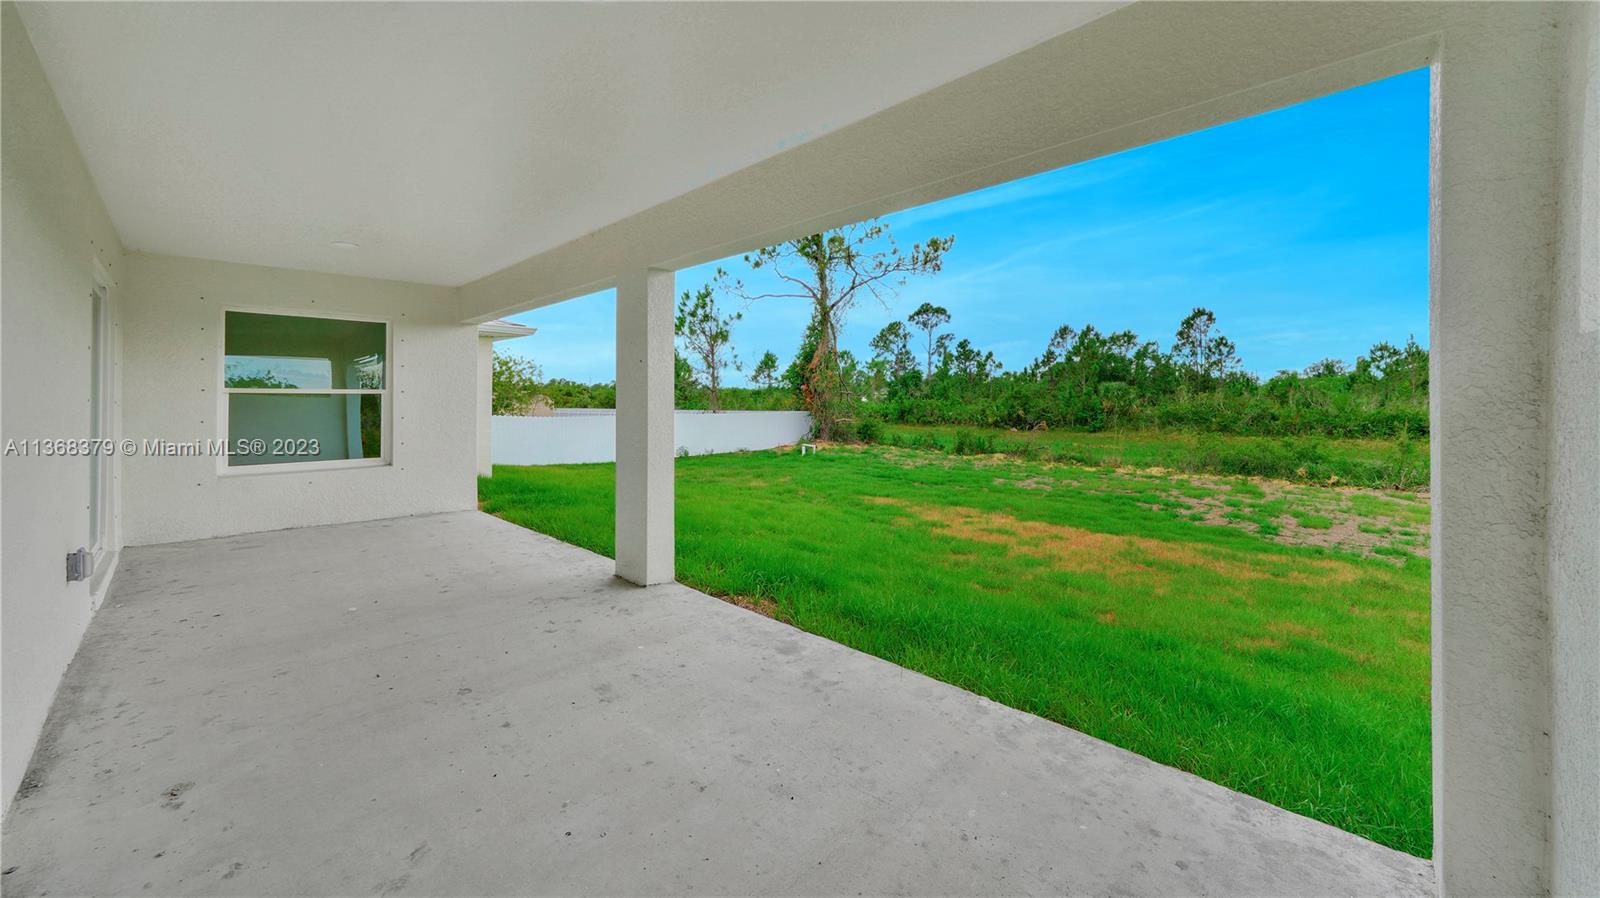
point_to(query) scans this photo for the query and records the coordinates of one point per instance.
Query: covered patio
(451, 704)
(327, 674)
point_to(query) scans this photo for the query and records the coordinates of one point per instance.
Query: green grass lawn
(1267, 636)
(1397, 464)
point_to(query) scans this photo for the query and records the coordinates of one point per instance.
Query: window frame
(386, 400)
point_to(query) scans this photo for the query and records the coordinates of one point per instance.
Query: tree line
(920, 371)
(1088, 379)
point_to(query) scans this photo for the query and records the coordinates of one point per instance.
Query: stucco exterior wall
(568, 439)
(173, 312)
(1574, 515)
(55, 228)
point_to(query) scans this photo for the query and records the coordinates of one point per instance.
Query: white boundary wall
(577, 436)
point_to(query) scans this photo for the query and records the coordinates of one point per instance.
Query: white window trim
(305, 467)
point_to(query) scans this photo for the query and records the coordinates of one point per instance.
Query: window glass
(270, 428)
(303, 389)
(292, 352)
(257, 372)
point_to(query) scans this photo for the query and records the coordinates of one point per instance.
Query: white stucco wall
(702, 433)
(1574, 511)
(582, 436)
(559, 440)
(172, 314)
(55, 228)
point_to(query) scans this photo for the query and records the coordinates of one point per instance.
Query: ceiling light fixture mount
(345, 244)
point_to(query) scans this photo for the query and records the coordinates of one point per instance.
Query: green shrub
(1304, 459)
(869, 430)
(968, 443)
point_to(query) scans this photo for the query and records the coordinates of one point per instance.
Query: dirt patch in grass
(1358, 520)
(1209, 510)
(759, 604)
(761, 483)
(1086, 551)
(1415, 645)
(1337, 518)
(912, 458)
(1341, 533)
(1043, 484)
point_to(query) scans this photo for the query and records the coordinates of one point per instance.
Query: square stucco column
(644, 427)
(1509, 119)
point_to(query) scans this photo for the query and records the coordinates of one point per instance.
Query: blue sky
(1304, 229)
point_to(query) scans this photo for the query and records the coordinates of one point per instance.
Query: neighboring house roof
(500, 329)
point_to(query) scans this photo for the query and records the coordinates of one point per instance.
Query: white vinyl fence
(579, 435)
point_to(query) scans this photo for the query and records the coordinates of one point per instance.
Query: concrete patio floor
(451, 704)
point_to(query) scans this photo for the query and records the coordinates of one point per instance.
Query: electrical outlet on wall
(78, 565)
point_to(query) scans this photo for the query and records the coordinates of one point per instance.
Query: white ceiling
(452, 139)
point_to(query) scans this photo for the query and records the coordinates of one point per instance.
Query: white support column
(644, 534)
(1499, 118)
(1573, 525)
